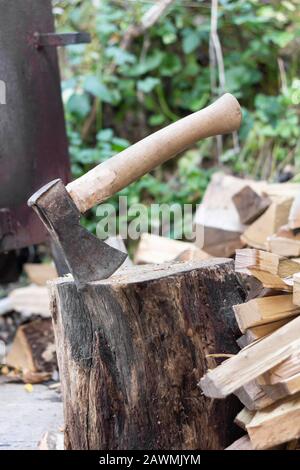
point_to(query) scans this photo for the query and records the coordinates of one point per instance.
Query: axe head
(88, 258)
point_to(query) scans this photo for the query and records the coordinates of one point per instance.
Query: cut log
(284, 388)
(242, 341)
(252, 361)
(276, 424)
(253, 258)
(243, 418)
(263, 261)
(30, 300)
(272, 281)
(267, 224)
(260, 331)
(250, 205)
(51, 441)
(296, 289)
(217, 219)
(284, 378)
(153, 249)
(33, 348)
(265, 310)
(118, 243)
(283, 246)
(254, 397)
(131, 349)
(294, 215)
(39, 273)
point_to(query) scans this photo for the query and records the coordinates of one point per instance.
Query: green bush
(165, 75)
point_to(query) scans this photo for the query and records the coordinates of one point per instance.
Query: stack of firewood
(265, 374)
(237, 212)
(234, 213)
(26, 329)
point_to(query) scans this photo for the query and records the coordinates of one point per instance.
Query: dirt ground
(27, 415)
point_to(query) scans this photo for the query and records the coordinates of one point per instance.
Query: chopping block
(132, 348)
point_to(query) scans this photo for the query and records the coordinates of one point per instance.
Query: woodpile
(155, 249)
(26, 329)
(236, 212)
(265, 374)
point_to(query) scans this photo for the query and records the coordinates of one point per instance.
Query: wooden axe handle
(221, 117)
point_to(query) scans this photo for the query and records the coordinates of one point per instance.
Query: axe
(59, 207)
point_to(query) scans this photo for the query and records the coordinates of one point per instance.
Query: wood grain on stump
(132, 348)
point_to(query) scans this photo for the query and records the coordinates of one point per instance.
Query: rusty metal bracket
(60, 39)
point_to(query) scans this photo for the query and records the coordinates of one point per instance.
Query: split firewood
(254, 397)
(272, 281)
(33, 348)
(285, 232)
(252, 361)
(265, 310)
(271, 270)
(6, 305)
(283, 388)
(283, 246)
(258, 332)
(51, 441)
(243, 418)
(39, 273)
(250, 205)
(249, 258)
(217, 219)
(284, 378)
(296, 289)
(30, 300)
(294, 215)
(154, 249)
(29, 377)
(192, 254)
(242, 341)
(267, 224)
(118, 243)
(276, 424)
(243, 443)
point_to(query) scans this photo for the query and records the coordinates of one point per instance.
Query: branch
(217, 61)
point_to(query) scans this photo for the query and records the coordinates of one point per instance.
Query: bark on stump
(132, 348)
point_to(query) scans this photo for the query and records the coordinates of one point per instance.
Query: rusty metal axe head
(88, 258)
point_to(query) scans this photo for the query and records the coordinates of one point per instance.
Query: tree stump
(132, 348)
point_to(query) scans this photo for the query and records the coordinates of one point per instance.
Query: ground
(26, 416)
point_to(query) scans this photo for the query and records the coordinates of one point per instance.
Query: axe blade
(88, 258)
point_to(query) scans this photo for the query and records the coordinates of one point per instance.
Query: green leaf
(119, 56)
(105, 135)
(151, 62)
(281, 38)
(170, 65)
(147, 84)
(157, 120)
(79, 104)
(191, 41)
(94, 86)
